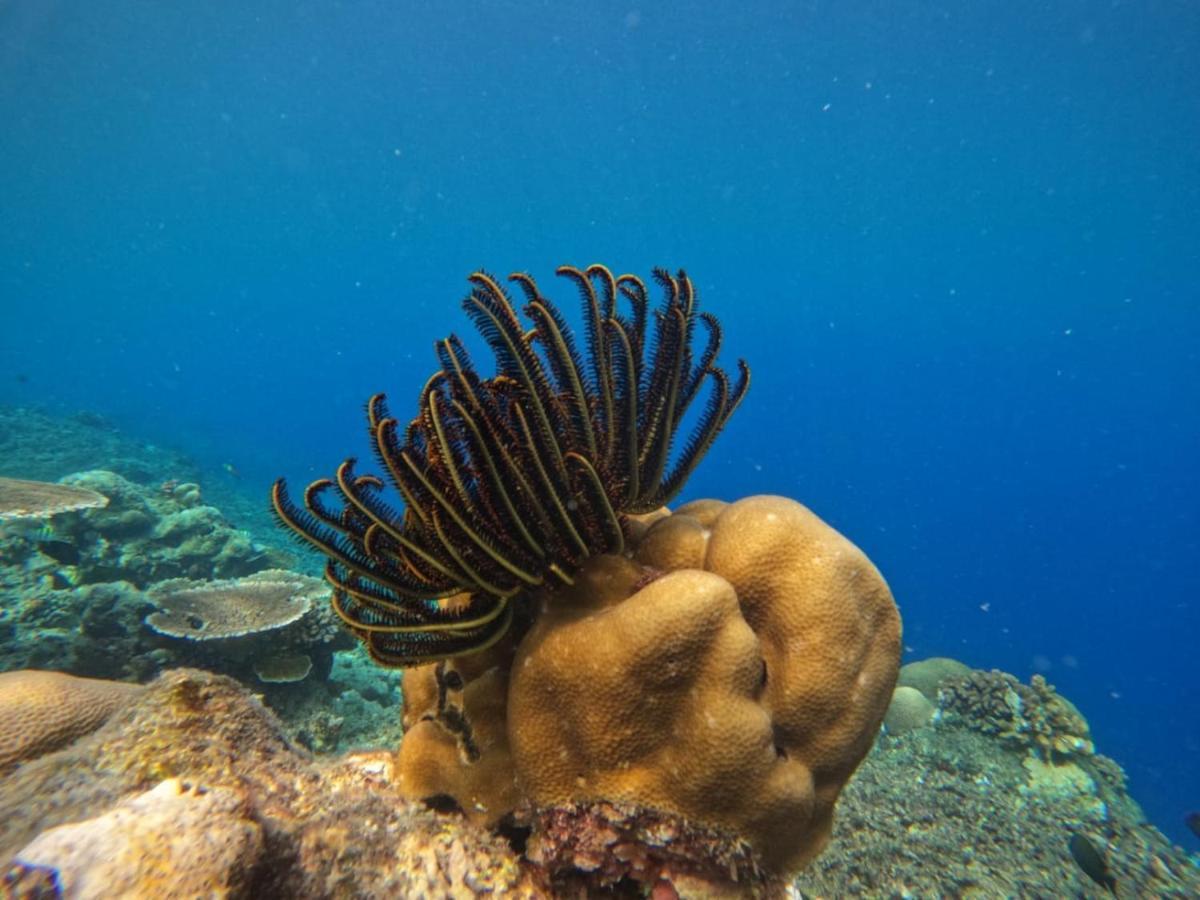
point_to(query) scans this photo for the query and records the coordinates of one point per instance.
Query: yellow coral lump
(43, 711)
(739, 690)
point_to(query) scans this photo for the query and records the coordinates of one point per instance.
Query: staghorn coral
(1032, 716)
(956, 822)
(40, 500)
(42, 711)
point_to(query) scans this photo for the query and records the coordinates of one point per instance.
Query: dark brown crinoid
(511, 482)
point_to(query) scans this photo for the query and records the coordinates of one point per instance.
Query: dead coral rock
(738, 691)
(339, 829)
(174, 840)
(43, 711)
(20, 499)
(1030, 716)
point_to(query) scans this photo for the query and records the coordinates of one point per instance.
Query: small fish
(1193, 822)
(22, 378)
(1092, 862)
(231, 469)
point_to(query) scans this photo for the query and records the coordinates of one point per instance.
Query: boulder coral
(42, 711)
(733, 672)
(719, 672)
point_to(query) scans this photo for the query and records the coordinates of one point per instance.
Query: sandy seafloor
(951, 802)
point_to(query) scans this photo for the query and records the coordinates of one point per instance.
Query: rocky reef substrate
(945, 809)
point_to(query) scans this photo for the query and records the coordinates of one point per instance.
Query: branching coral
(1033, 715)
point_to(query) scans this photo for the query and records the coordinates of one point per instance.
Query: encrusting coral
(42, 711)
(726, 666)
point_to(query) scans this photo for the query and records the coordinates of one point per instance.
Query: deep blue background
(957, 242)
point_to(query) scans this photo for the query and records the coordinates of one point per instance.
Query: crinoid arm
(510, 482)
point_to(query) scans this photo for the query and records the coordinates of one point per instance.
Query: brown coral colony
(510, 482)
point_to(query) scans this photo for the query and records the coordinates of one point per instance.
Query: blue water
(956, 241)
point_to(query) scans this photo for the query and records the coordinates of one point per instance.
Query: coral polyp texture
(510, 482)
(576, 652)
(738, 690)
(42, 711)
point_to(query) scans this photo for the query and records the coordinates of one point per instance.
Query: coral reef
(1032, 715)
(947, 810)
(329, 829)
(42, 711)
(86, 594)
(38, 444)
(955, 810)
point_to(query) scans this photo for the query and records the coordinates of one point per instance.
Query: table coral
(42, 711)
(21, 499)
